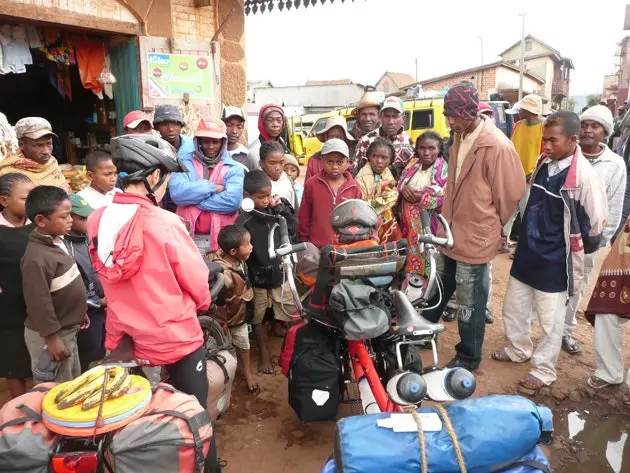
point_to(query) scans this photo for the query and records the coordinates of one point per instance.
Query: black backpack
(315, 379)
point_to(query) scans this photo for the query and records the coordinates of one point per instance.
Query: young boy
(292, 169)
(102, 174)
(264, 273)
(91, 342)
(235, 303)
(562, 222)
(53, 289)
(234, 120)
(324, 191)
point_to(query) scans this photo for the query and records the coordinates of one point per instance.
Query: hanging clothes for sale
(57, 47)
(34, 39)
(91, 61)
(15, 53)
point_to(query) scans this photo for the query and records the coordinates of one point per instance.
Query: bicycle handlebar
(431, 239)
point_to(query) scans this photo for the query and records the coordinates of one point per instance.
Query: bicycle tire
(214, 337)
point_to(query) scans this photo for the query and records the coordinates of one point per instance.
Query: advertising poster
(172, 75)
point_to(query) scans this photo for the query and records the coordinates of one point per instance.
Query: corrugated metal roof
(262, 6)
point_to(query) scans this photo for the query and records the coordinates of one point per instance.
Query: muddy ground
(260, 433)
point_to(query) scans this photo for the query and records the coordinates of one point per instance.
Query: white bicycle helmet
(353, 220)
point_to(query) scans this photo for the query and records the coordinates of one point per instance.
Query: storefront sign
(172, 75)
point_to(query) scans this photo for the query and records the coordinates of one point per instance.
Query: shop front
(84, 64)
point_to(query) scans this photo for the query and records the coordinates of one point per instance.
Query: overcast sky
(361, 40)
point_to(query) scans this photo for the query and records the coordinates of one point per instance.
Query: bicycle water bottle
(407, 388)
(450, 384)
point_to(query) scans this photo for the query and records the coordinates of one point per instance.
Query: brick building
(498, 77)
(158, 50)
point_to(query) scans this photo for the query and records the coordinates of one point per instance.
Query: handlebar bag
(173, 436)
(26, 444)
(359, 310)
(315, 380)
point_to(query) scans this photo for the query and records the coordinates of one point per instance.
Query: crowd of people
(124, 261)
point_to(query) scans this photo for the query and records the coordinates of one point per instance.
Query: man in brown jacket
(485, 183)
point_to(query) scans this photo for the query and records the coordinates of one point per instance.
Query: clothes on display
(16, 54)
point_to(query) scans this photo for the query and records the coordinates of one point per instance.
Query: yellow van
(420, 115)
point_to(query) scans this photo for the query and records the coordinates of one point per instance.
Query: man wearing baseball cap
(596, 126)
(168, 121)
(35, 159)
(208, 195)
(392, 119)
(234, 119)
(138, 123)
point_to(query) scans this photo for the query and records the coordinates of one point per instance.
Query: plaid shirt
(402, 146)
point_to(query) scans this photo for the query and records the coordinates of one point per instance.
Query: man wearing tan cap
(367, 115)
(35, 159)
(527, 140)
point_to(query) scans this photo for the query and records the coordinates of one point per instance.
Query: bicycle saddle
(408, 318)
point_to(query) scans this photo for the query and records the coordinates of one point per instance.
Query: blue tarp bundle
(536, 455)
(493, 432)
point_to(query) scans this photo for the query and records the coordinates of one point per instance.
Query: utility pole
(522, 62)
(481, 48)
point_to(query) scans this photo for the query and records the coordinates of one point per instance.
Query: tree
(592, 99)
(571, 103)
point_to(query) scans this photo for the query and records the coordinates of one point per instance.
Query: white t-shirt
(283, 187)
(97, 200)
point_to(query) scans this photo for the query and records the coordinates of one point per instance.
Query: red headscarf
(264, 111)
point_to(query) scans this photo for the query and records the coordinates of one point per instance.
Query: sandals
(570, 345)
(532, 383)
(597, 383)
(501, 355)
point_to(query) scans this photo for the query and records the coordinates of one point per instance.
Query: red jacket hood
(122, 229)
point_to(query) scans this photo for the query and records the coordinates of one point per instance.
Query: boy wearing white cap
(596, 126)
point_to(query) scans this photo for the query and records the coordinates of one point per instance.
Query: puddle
(601, 441)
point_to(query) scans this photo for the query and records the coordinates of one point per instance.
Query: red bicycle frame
(363, 367)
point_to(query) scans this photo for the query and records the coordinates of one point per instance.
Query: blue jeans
(472, 282)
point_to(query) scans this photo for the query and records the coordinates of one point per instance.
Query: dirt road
(261, 434)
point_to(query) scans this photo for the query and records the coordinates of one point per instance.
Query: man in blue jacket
(208, 196)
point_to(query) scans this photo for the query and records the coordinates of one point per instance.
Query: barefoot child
(264, 273)
(15, 362)
(102, 174)
(235, 303)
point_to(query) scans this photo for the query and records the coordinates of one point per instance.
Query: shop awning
(254, 6)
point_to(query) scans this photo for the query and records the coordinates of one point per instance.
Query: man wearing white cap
(392, 119)
(596, 126)
(527, 140)
(35, 159)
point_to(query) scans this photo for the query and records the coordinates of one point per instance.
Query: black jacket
(13, 243)
(263, 271)
(78, 248)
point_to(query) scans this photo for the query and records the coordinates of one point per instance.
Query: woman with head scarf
(271, 127)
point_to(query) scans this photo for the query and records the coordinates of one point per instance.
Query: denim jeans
(472, 282)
